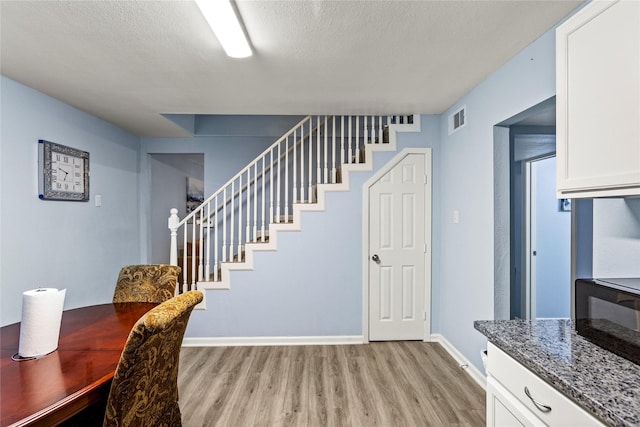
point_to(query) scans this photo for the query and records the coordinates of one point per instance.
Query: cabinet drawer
(504, 410)
(516, 379)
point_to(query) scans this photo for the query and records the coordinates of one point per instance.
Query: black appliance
(607, 313)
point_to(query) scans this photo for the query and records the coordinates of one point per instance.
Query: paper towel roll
(41, 317)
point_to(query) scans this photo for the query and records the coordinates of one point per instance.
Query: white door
(398, 228)
(549, 237)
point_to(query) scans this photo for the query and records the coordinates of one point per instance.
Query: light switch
(456, 216)
(98, 200)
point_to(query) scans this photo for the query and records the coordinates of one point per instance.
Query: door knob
(376, 259)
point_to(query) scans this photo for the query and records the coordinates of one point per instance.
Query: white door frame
(365, 237)
(530, 240)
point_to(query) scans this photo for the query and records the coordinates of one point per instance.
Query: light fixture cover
(225, 24)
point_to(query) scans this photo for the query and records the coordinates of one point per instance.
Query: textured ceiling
(129, 62)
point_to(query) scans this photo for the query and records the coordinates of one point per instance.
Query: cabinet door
(504, 410)
(598, 101)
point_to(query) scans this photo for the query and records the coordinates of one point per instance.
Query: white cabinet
(517, 397)
(504, 410)
(598, 101)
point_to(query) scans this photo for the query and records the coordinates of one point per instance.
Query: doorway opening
(519, 140)
(546, 250)
(171, 176)
(520, 144)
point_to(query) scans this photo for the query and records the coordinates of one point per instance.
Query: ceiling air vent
(458, 119)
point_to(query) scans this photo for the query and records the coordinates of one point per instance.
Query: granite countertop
(606, 385)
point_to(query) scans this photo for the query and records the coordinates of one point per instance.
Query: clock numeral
(58, 157)
(76, 166)
(58, 185)
(66, 159)
(77, 174)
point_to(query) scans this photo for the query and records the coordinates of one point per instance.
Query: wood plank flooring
(405, 383)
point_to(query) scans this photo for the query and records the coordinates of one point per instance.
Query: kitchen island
(605, 385)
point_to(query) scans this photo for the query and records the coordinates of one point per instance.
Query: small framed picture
(564, 205)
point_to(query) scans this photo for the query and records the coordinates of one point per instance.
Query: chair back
(146, 283)
(144, 391)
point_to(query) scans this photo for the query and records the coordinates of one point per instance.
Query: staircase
(291, 176)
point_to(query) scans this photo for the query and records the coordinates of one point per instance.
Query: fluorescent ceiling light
(224, 23)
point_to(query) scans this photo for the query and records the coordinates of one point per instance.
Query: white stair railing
(263, 193)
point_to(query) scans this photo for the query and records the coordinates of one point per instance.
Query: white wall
(616, 238)
(72, 245)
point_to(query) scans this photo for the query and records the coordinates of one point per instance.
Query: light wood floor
(379, 384)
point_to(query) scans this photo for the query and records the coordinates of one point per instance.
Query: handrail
(262, 193)
(249, 166)
(236, 176)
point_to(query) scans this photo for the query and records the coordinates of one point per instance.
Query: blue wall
(467, 264)
(72, 245)
(224, 156)
(291, 292)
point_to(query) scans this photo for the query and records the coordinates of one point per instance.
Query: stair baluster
(216, 264)
(357, 141)
(264, 201)
(350, 157)
(224, 225)
(326, 143)
(297, 177)
(255, 203)
(342, 140)
(286, 179)
(301, 199)
(365, 135)
(271, 219)
(333, 150)
(310, 180)
(248, 218)
(278, 181)
(207, 265)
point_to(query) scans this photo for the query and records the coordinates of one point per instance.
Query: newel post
(173, 228)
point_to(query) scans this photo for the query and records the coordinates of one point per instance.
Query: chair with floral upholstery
(144, 391)
(146, 283)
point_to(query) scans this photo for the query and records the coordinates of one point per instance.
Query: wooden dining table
(55, 387)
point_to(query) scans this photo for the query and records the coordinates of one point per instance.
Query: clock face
(63, 172)
(67, 172)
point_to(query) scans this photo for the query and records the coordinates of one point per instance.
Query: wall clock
(63, 172)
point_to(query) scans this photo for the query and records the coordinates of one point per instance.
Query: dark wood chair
(146, 283)
(144, 391)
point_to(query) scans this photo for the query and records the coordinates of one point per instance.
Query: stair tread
(378, 136)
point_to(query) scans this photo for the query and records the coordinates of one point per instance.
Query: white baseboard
(464, 363)
(264, 341)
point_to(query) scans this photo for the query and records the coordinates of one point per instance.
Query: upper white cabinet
(598, 101)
